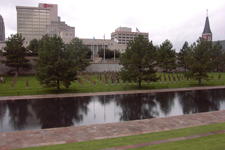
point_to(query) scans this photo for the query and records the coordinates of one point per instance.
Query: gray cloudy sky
(176, 20)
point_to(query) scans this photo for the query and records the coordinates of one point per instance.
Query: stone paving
(32, 138)
(107, 93)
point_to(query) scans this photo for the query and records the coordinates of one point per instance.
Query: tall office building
(2, 29)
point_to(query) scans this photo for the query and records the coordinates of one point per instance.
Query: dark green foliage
(33, 47)
(167, 56)
(108, 53)
(139, 61)
(199, 60)
(55, 64)
(182, 54)
(218, 56)
(15, 53)
(80, 53)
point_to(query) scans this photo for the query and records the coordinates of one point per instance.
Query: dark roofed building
(207, 34)
(222, 42)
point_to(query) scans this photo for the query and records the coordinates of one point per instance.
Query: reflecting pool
(63, 112)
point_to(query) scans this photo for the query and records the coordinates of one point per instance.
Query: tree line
(58, 63)
(141, 58)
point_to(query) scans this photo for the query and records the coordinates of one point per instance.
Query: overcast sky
(175, 20)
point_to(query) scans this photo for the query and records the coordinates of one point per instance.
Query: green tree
(56, 64)
(218, 56)
(199, 60)
(108, 53)
(139, 61)
(182, 54)
(80, 53)
(15, 53)
(33, 47)
(167, 56)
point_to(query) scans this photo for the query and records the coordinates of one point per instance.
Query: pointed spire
(207, 26)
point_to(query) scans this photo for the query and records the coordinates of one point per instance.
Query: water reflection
(166, 101)
(62, 112)
(18, 113)
(199, 101)
(137, 106)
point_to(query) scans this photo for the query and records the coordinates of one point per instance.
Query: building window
(71, 34)
(108, 43)
(111, 43)
(66, 34)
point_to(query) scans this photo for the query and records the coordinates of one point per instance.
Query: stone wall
(93, 67)
(103, 67)
(4, 69)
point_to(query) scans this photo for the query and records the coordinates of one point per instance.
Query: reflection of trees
(106, 99)
(60, 112)
(136, 106)
(2, 111)
(18, 112)
(199, 101)
(166, 101)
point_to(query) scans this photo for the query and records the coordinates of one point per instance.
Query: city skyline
(177, 21)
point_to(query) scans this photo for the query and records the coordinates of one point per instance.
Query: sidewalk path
(108, 93)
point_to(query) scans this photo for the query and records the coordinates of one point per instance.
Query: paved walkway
(33, 138)
(165, 141)
(108, 93)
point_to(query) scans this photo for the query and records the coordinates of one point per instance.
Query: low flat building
(125, 34)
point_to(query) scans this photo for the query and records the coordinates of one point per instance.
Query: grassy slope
(210, 142)
(35, 89)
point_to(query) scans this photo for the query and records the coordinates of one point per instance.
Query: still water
(62, 112)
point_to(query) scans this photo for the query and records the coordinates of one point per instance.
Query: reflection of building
(2, 29)
(34, 22)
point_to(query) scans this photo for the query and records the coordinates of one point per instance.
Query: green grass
(213, 142)
(210, 142)
(35, 88)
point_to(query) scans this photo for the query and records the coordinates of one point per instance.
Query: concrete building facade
(125, 34)
(98, 44)
(2, 29)
(122, 34)
(34, 22)
(61, 29)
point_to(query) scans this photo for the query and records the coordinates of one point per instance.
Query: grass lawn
(35, 88)
(208, 142)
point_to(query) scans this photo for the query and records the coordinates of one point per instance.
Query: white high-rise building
(34, 22)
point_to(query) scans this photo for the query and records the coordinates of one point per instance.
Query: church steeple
(207, 34)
